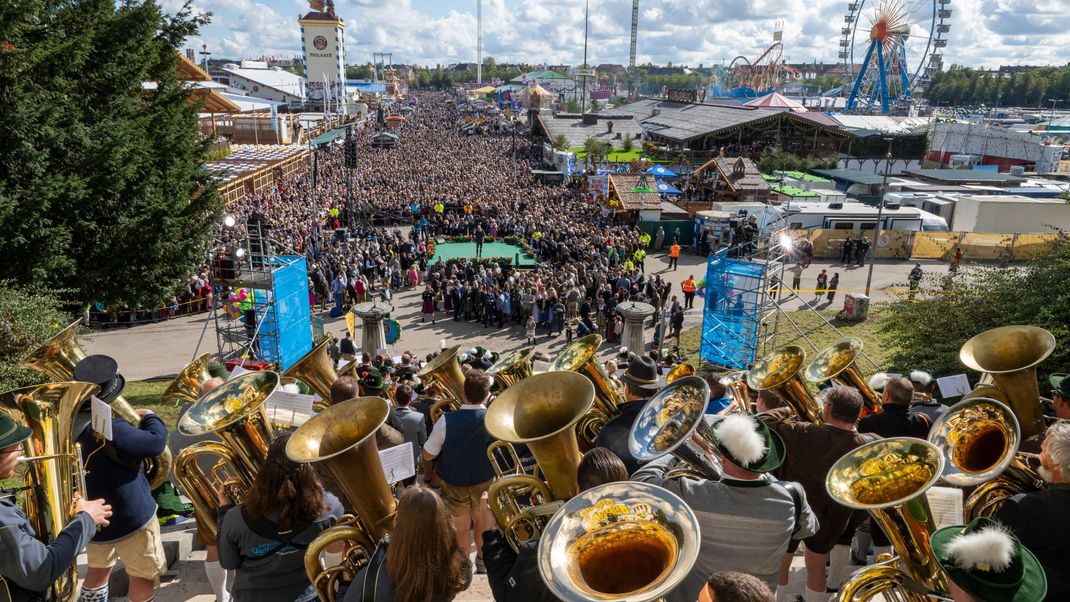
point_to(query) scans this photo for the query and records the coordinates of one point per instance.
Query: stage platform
(456, 250)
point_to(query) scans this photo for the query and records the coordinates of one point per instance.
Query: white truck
(850, 217)
(1009, 214)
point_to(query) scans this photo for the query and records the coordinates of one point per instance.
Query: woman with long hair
(264, 539)
(420, 560)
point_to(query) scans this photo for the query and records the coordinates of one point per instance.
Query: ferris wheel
(890, 49)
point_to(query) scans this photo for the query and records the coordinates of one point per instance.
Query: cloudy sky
(693, 32)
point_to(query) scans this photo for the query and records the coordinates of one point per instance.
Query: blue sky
(693, 32)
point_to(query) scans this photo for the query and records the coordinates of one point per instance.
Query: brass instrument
(540, 411)
(581, 357)
(187, 384)
(316, 369)
(667, 424)
(619, 541)
(343, 438)
(838, 363)
(54, 463)
(781, 372)
(735, 383)
(236, 412)
(889, 478)
(980, 439)
(1010, 354)
(679, 371)
(56, 359)
(445, 376)
(512, 368)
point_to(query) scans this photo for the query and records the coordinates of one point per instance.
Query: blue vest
(463, 460)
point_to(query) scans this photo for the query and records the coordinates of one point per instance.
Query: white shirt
(437, 438)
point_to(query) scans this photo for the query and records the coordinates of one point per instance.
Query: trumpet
(619, 541)
(667, 424)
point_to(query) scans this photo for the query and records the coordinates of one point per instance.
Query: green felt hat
(730, 436)
(11, 432)
(1061, 383)
(218, 371)
(373, 381)
(963, 561)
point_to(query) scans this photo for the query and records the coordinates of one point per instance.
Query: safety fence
(977, 246)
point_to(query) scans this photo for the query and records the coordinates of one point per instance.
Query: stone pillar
(371, 314)
(634, 314)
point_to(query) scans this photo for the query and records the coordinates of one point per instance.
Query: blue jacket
(122, 483)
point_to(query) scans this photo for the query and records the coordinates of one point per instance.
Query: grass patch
(614, 157)
(146, 394)
(877, 346)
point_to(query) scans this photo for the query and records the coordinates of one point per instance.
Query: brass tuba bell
(512, 368)
(889, 478)
(979, 439)
(839, 364)
(781, 372)
(619, 541)
(540, 411)
(445, 376)
(56, 359)
(236, 412)
(581, 357)
(187, 384)
(1011, 355)
(55, 471)
(342, 437)
(667, 422)
(316, 369)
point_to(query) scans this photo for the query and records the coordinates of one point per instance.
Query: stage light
(229, 221)
(786, 242)
(239, 252)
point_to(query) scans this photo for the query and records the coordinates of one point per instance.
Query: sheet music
(293, 409)
(101, 418)
(946, 504)
(398, 463)
(236, 372)
(955, 385)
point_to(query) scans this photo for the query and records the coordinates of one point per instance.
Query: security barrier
(978, 246)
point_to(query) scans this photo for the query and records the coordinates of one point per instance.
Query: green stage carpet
(456, 250)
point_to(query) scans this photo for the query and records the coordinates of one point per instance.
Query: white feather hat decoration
(739, 435)
(988, 549)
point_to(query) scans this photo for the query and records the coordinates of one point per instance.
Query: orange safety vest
(688, 285)
(674, 251)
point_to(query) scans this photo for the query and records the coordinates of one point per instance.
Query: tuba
(780, 371)
(236, 412)
(316, 369)
(445, 376)
(512, 368)
(187, 384)
(679, 371)
(619, 541)
(56, 359)
(889, 478)
(342, 437)
(541, 412)
(54, 463)
(735, 383)
(581, 357)
(667, 423)
(979, 439)
(838, 364)
(1011, 355)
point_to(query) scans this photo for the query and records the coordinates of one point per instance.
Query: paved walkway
(164, 348)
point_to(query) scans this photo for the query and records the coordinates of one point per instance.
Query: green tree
(358, 72)
(572, 106)
(102, 185)
(951, 309)
(595, 106)
(627, 143)
(29, 316)
(560, 142)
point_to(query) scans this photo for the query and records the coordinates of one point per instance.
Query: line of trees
(1031, 88)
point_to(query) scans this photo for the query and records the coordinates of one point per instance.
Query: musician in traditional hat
(28, 565)
(1041, 519)
(924, 402)
(114, 472)
(896, 419)
(1060, 405)
(748, 518)
(812, 450)
(641, 380)
(984, 562)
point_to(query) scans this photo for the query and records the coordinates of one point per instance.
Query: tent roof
(484, 89)
(776, 100)
(539, 90)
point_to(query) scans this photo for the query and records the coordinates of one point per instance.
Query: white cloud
(983, 32)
